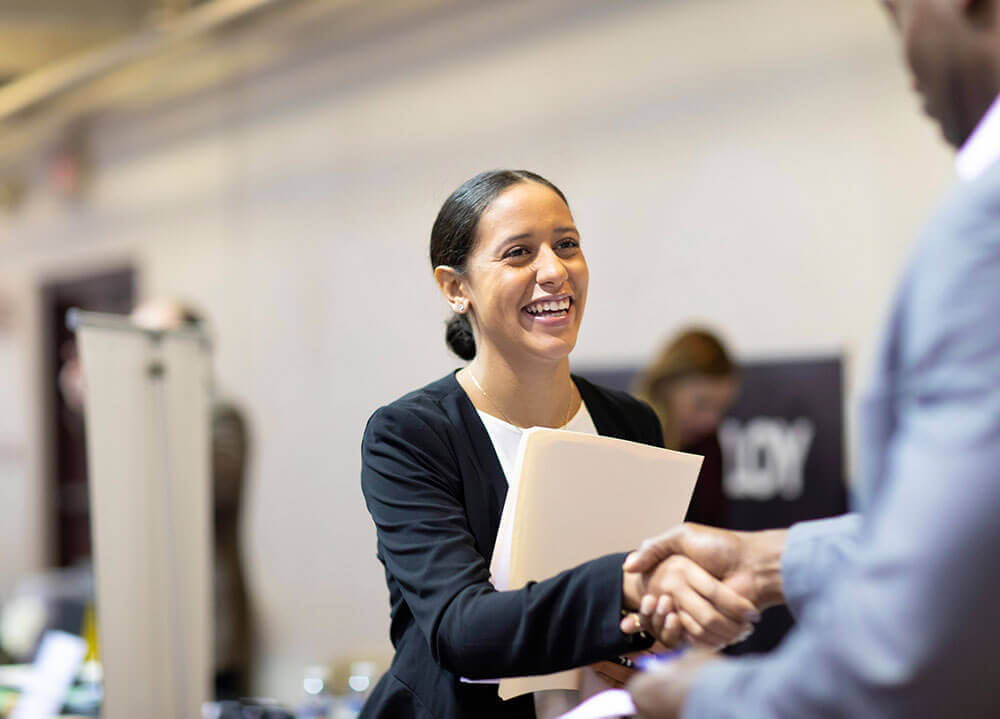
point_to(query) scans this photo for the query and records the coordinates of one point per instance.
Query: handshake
(699, 586)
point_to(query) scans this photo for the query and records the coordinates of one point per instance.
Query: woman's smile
(550, 311)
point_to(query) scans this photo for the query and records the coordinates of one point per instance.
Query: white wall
(755, 164)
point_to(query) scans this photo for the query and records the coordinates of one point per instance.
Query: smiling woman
(508, 259)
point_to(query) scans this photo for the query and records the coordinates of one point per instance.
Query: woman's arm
(413, 492)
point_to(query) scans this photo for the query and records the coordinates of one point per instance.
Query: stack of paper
(577, 497)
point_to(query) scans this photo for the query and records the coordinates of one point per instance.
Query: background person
(690, 385)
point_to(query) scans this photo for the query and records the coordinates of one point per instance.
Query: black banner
(782, 454)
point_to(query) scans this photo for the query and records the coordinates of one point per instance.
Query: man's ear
(982, 13)
(450, 283)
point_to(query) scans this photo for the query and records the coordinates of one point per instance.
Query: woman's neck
(530, 394)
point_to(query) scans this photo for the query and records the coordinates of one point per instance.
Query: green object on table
(8, 697)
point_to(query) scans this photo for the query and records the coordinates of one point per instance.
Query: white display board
(15, 488)
(148, 452)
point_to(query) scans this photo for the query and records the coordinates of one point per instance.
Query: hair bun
(458, 335)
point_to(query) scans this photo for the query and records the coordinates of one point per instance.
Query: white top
(982, 148)
(506, 437)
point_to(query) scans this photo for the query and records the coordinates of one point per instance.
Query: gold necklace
(508, 420)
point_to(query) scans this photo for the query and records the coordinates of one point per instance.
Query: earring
(460, 307)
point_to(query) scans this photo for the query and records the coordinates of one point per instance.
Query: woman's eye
(516, 252)
(567, 243)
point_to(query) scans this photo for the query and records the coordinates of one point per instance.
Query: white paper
(606, 705)
(579, 497)
(56, 666)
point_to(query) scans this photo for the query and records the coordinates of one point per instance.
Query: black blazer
(435, 488)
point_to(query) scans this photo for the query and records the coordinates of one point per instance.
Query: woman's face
(526, 278)
(698, 403)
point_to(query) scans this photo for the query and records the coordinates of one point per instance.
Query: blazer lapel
(605, 422)
(486, 488)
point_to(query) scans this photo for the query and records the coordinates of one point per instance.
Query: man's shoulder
(959, 247)
(986, 187)
(968, 213)
(950, 295)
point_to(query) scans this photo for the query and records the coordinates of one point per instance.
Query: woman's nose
(549, 268)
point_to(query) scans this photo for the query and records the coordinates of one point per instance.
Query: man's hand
(660, 694)
(747, 562)
(680, 595)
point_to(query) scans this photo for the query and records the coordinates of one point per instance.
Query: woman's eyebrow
(517, 238)
(567, 228)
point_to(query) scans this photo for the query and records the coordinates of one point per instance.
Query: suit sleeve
(814, 552)
(910, 625)
(413, 492)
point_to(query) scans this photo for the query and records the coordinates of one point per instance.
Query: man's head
(953, 50)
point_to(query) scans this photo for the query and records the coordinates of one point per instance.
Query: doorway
(110, 291)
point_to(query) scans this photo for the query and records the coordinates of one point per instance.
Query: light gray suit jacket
(899, 606)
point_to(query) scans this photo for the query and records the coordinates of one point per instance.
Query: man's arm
(813, 553)
(768, 567)
(910, 626)
(910, 629)
(749, 562)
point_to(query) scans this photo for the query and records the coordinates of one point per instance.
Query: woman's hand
(680, 600)
(603, 675)
(749, 562)
(610, 675)
(661, 693)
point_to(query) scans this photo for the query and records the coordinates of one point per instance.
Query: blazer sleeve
(413, 491)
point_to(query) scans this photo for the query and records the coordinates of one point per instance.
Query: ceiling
(64, 60)
(36, 33)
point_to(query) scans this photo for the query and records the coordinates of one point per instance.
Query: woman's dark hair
(454, 236)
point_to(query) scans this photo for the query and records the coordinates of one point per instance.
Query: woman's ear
(450, 283)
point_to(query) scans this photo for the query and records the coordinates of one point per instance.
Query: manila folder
(582, 496)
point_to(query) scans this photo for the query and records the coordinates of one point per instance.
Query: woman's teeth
(557, 308)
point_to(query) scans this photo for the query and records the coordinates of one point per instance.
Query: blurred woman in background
(690, 385)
